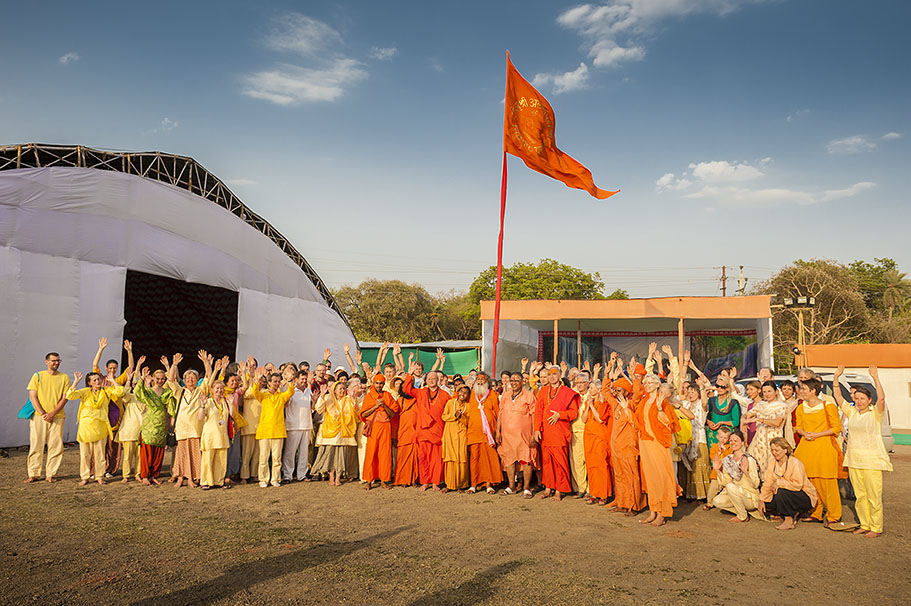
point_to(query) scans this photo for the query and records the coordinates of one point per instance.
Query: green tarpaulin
(457, 361)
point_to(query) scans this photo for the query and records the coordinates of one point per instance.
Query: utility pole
(724, 281)
(741, 283)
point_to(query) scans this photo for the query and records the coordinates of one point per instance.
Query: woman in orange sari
(656, 423)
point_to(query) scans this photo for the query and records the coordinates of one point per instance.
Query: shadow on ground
(473, 591)
(240, 577)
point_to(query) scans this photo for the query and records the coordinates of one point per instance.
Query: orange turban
(624, 384)
(379, 378)
(640, 370)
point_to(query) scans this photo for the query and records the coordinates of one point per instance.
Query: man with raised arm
(431, 402)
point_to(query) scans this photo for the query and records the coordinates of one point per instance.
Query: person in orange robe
(406, 454)
(483, 460)
(624, 447)
(377, 412)
(656, 423)
(819, 425)
(556, 408)
(431, 402)
(517, 409)
(596, 439)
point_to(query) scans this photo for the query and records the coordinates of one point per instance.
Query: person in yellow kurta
(47, 392)
(130, 423)
(214, 412)
(579, 474)
(94, 428)
(337, 454)
(866, 458)
(819, 426)
(188, 399)
(455, 441)
(251, 409)
(271, 431)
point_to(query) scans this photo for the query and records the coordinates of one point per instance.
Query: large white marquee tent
(150, 247)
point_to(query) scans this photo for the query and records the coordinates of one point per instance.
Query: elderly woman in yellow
(818, 425)
(271, 432)
(337, 454)
(455, 441)
(866, 458)
(739, 475)
(214, 412)
(786, 489)
(94, 427)
(187, 425)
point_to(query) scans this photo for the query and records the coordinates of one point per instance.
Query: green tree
(388, 310)
(618, 294)
(454, 318)
(839, 316)
(546, 280)
(896, 291)
(872, 279)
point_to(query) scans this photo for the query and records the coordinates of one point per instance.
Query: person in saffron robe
(818, 424)
(624, 447)
(556, 408)
(406, 457)
(597, 419)
(514, 424)
(431, 402)
(483, 410)
(656, 422)
(377, 412)
(455, 441)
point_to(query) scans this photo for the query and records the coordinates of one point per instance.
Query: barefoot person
(47, 392)
(786, 489)
(517, 411)
(337, 446)
(215, 412)
(818, 425)
(188, 400)
(739, 477)
(657, 422)
(556, 408)
(151, 391)
(624, 447)
(377, 412)
(483, 410)
(94, 428)
(128, 433)
(455, 440)
(866, 458)
(431, 402)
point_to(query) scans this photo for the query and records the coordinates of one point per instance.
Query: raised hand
(178, 358)
(76, 376)
(652, 348)
(524, 363)
(667, 350)
(141, 361)
(564, 366)
(439, 353)
(164, 361)
(251, 362)
(872, 370)
(127, 345)
(614, 355)
(596, 370)
(102, 343)
(327, 353)
(396, 349)
(347, 348)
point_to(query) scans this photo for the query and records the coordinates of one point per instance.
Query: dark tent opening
(165, 316)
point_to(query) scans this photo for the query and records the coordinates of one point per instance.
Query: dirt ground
(309, 543)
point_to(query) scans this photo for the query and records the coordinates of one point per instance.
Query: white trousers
(297, 442)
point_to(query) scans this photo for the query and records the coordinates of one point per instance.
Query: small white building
(893, 361)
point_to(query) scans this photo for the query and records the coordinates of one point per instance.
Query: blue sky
(370, 133)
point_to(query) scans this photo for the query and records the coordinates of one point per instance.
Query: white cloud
(670, 182)
(327, 76)
(292, 85)
(850, 145)
(166, 125)
(301, 34)
(615, 31)
(721, 171)
(566, 82)
(68, 58)
(383, 54)
(766, 160)
(835, 194)
(891, 136)
(800, 113)
(435, 64)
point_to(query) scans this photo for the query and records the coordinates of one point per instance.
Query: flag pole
(496, 307)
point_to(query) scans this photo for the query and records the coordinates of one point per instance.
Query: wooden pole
(579, 345)
(681, 344)
(556, 336)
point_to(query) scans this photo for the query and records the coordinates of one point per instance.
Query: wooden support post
(556, 336)
(681, 344)
(579, 345)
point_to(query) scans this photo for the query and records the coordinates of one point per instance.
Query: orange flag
(528, 133)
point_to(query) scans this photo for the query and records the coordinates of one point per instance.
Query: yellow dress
(821, 457)
(455, 445)
(93, 412)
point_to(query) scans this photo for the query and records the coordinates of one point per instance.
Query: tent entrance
(164, 316)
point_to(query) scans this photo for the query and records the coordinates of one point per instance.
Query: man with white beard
(483, 410)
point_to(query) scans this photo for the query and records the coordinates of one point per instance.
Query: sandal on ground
(508, 490)
(472, 490)
(491, 490)
(527, 494)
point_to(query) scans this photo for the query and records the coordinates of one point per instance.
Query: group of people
(635, 436)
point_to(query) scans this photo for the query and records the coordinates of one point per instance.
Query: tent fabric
(68, 236)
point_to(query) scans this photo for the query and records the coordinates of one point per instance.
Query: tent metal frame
(180, 171)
